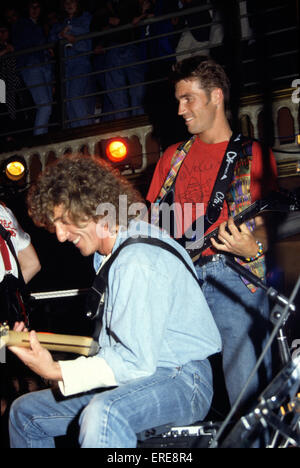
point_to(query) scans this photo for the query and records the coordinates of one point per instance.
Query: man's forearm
(29, 263)
(260, 232)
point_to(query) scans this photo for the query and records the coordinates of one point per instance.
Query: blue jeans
(112, 418)
(99, 65)
(242, 318)
(80, 108)
(41, 95)
(122, 77)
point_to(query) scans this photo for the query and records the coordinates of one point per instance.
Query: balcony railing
(255, 60)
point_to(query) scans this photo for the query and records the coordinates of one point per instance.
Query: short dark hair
(79, 11)
(209, 73)
(32, 2)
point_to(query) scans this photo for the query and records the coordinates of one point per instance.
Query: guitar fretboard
(197, 247)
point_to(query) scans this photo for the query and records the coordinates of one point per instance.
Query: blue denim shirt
(155, 313)
(79, 26)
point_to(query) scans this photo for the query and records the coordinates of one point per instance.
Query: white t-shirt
(19, 238)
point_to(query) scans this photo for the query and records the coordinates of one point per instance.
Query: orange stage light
(117, 150)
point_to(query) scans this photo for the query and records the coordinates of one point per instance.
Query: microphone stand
(279, 315)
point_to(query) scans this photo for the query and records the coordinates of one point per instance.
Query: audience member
(51, 19)
(35, 71)
(99, 23)
(8, 73)
(11, 15)
(146, 10)
(195, 39)
(121, 61)
(76, 23)
(222, 21)
(165, 45)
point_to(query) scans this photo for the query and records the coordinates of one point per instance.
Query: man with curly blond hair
(152, 367)
(87, 189)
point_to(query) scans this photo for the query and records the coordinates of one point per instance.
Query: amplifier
(195, 436)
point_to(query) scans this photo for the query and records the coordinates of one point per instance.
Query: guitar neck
(276, 201)
(205, 242)
(82, 345)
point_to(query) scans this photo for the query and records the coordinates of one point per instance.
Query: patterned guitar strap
(176, 163)
(217, 198)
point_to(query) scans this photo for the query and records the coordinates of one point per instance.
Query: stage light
(124, 153)
(117, 150)
(15, 168)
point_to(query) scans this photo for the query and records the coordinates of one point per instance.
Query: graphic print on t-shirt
(9, 226)
(195, 182)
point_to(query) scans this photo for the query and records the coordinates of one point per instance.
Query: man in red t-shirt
(241, 313)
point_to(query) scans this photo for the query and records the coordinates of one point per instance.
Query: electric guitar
(276, 201)
(82, 345)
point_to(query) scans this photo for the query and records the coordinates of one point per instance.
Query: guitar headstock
(282, 200)
(295, 196)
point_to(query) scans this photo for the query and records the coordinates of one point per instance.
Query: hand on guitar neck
(32, 348)
(37, 358)
(275, 202)
(240, 241)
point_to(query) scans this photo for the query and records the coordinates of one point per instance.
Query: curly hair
(209, 73)
(80, 184)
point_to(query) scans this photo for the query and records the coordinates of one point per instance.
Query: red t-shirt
(198, 173)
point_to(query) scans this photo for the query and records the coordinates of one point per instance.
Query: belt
(207, 259)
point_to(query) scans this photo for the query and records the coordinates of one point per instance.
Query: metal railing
(245, 61)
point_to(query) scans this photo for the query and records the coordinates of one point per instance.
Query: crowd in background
(39, 23)
(122, 60)
(35, 74)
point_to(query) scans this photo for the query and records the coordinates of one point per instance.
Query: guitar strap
(167, 192)
(5, 255)
(176, 163)
(218, 194)
(95, 298)
(224, 178)
(217, 198)
(6, 236)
